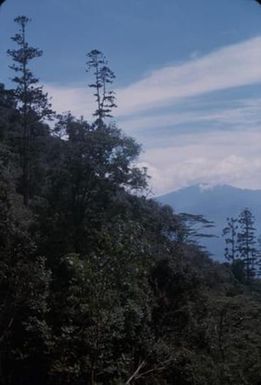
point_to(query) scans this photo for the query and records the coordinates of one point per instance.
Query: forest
(100, 284)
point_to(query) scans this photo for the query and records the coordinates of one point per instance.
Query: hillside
(99, 283)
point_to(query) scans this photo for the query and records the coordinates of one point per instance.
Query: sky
(188, 78)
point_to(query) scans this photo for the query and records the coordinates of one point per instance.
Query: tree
(103, 76)
(247, 242)
(102, 308)
(24, 286)
(258, 258)
(88, 173)
(230, 234)
(32, 103)
(8, 118)
(195, 227)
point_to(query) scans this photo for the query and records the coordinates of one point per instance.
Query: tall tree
(247, 242)
(230, 234)
(32, 102)
(103, 77)
(90, 169)
(258, 258)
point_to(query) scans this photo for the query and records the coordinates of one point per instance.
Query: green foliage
(24, 282)
(87, 173)
(247, 242)
(32, 102)
(100, 285)
(231, 232)
(32, 105)
(241, 246)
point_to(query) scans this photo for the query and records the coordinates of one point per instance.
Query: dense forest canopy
(99, 284)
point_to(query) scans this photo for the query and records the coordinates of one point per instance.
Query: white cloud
(244, 113)
(213, 158)
(232, 66)
(179, 160)
(76, 99)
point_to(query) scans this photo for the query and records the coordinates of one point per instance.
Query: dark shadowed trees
(247, 242)
(32, 103)
(103, 77)
(24, 284)
(241, 245)
(98, 283)
(91, 169)
(230, 235)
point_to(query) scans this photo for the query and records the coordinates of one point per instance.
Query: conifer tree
(32, 102)
(230, 234)
(247, 242)
(103, 77)
(258, 258)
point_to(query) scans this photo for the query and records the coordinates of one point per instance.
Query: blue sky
(188, 78)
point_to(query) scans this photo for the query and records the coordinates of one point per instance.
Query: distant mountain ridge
(216, 204)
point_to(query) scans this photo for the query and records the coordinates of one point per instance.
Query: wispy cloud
(229, 151)
(242, 114)
(228, 67)
(232, 66)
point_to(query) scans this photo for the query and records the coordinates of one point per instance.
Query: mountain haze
(215, 204)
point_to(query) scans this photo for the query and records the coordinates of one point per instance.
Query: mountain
(215, 204)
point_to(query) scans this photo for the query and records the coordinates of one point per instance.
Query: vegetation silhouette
(99, 284)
